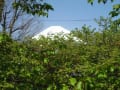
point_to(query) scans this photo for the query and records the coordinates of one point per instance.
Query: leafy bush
(59, 64)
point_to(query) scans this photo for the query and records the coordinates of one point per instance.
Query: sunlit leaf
(73, 81)
(79, 86)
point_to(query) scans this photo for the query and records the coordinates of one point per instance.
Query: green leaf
(49, 88)
(10, 73)
(113, 13)
(8, 85)
(102, 75)
(28, 74)
(102, 1)
(1, 38)
(112, 0)
(116, 6)
(45, 60)
(99, 1)
(112, 69)
(73, 81)
(14, 5)
(89, 79)
(79, 86)
(91, 1)
(65, 87)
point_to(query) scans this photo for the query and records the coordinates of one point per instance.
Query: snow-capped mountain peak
(56, 30)
(52, 30)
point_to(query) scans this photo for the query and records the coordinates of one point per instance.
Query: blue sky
(67, 10)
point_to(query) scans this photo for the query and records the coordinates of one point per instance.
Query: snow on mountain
(56, 30)
(52, 30)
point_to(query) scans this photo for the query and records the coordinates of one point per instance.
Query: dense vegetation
(59, 64)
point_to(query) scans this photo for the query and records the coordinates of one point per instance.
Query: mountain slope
(52, 30)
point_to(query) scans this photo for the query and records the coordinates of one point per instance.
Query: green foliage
(34, 7)
(99, 1)
(72, 81)
(116, 7)
(115, 11)
(59, 64)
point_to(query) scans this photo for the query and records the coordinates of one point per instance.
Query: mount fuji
(52, 30)
(56, 30)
